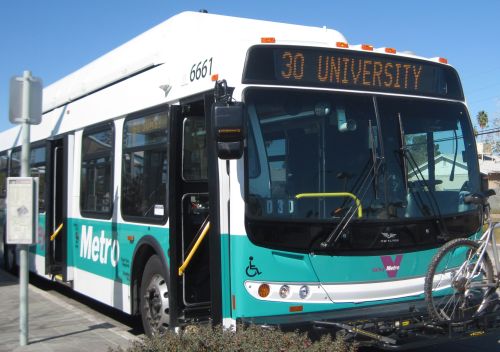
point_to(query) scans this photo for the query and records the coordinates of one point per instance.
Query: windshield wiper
(334, 236)
(415, 169)
(403, 148)
(452, 173)
(363, 188)
(374, 157)
(408, 159)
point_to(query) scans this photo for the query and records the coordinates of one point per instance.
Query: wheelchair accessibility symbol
(252, 270)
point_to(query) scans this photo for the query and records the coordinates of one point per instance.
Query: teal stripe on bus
(39, 247)
(251, 262)
(103, 247)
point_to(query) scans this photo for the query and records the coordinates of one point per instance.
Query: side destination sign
(352, 70)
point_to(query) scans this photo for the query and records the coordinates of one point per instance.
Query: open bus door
(56, 209)
(190, 293)
(196, 185)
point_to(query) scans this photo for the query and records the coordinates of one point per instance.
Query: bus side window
(96, 181)
(144, 168)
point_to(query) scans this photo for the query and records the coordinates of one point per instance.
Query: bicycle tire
(449, 297)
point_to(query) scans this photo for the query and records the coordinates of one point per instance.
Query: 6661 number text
(201, 70)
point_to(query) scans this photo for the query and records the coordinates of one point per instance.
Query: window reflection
(418, 162)
(144, 176)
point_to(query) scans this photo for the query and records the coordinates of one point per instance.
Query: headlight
(303, 291)
(284, 291)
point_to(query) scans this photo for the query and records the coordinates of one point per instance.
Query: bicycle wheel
(452, 291)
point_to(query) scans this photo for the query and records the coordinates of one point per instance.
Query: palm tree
(482, 119)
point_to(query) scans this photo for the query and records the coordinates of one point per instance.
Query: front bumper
(397, 326)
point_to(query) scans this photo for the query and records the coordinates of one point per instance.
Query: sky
(53, 38)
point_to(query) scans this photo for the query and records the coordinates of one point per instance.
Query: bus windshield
(315, 155)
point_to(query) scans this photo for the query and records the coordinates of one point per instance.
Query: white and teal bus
(232, 170)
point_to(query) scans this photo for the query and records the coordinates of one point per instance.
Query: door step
(59, 278)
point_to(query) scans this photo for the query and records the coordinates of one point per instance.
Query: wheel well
(144, 252)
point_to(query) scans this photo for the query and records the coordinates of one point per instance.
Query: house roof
(442, 158)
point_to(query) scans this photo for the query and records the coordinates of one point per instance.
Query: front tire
(452, 294)
(154, 305)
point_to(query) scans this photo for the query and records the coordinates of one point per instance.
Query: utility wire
(497, 130)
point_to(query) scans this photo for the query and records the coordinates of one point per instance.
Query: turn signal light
(264, 290)
(268, 40)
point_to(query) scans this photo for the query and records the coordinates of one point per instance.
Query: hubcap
(156, 304)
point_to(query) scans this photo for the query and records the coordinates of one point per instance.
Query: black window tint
(15, 163)
(96, 182)
(38, 167)
(144, 168)
(194, 157)
(3, 178)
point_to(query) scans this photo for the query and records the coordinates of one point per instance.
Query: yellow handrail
(56, 232)
(335, 194)
(193, 250)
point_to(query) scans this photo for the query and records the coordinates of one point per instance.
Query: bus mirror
(229, 129)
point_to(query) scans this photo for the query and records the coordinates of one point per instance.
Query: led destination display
(346, 69)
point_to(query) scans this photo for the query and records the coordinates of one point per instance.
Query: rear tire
(154, 303)
(451, 295)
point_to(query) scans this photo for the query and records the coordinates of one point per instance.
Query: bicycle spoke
(457, 281)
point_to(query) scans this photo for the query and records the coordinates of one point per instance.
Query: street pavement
(55, 324)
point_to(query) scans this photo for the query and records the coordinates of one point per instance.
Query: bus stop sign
(25, 93)
(22, 210)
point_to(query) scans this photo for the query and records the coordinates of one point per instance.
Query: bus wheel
(154, 298)
(9, 256)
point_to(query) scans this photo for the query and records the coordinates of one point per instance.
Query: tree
(482, 119)
(493, 137)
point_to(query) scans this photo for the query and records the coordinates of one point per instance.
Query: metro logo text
(98, 248)
(390, 266)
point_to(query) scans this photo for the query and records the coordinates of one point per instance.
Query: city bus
(229, 170)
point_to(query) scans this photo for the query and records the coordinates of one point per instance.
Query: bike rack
(414, 331)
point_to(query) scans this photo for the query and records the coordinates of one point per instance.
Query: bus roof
(167, 52)
(174, 36)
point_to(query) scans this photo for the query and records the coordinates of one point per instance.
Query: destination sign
(347, 69)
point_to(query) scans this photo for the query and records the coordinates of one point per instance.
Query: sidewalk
(54, 325)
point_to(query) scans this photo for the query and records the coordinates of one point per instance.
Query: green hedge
(256, 339)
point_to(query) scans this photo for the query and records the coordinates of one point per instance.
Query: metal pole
(23, 248)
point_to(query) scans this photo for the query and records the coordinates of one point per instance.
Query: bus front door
(189, 210)
(56, 208)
